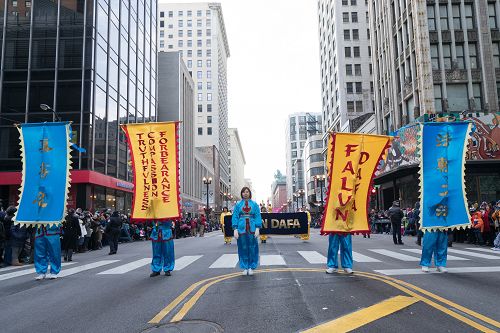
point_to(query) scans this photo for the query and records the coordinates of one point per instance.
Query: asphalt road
(289, 293)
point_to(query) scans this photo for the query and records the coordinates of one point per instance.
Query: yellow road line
(364, 316)
(445, 301)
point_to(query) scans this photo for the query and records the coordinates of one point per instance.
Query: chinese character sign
(155, 158)
(442, 170)
(45, 151)
(353, 159)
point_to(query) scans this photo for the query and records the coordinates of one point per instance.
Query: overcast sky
(273, 71)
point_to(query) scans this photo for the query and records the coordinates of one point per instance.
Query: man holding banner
(352, 160)
(155, 161)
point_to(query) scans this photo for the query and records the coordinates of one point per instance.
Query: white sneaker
(331, 270)
(245, 272)
(495, 248)
(40, 277)
(51, 276)
(348, 270)
(442, 269)
(250, 271)
(425, 269)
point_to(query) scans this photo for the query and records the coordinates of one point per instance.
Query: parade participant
(246, 222)
(344, 241)
(434, 243)
(47, 250)
(263, 209)
(225, 212)
(162, 241)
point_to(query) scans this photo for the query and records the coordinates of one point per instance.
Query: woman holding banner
(246, 222)
(162, 240)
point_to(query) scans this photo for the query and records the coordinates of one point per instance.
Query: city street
(289, 293)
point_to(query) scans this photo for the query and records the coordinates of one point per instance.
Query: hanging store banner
(442, 175)
(45, 152)
(353, 160)
(155, 161)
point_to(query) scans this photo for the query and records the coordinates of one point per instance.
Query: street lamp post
(301, 195)
(45, 107)
(296, 196)
(207, 182)
(321, 180)
(289, 201)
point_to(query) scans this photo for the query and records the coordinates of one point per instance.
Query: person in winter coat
(3, 235)
(194, 227)
(113, 231)
(18, 236)
(396, 215)
(476, 222)
(72, 232)
(202, 225)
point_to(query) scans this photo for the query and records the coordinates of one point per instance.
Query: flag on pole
(154, 148)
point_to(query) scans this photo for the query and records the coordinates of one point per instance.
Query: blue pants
(47, 249)
(248, 251)
(163, 253)
(345, 243)
(434, 243)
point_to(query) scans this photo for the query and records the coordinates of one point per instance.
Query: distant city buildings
(236, 164)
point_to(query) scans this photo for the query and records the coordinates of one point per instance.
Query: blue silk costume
(246, 218)
(434, 242)
(345, 243)
(47, 249)
(163, 247)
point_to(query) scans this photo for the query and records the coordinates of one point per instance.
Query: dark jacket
(395, 214)
(114, 225)
(72, 232)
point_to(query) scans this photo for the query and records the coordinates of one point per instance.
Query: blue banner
(442, 169)
(45, 151)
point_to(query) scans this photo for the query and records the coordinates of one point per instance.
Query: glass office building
(94, 63)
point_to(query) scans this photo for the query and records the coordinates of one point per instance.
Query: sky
(273, 71)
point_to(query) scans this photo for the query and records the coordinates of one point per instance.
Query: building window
(209, 74)
(350, 106)
(473, 56)
(209, 22)
(190, 33)
(443, 17)
(162, 43)
(190, 43)
(180, 13)
(359, 87)
(209, 53)
(349, 87)
(208, 12)
(170, 14)
(199, 33)
(438, 99)
(199, 74)
(198, 13)
(209, 32)
(209, 42)
(294, 154)
(209, 119)
(293, 145)
(200, 130)
(200, 97)
(357, 70)
(170, 46)
(162, 24)
(170, 36)
(458, 99)
(345, 17)
(180, 43)
(345, 2)
(431, 18)
(189, 53)
(209, 85)
(209, 97)
(469, 17)
(198, 43)
(199, 53)
(199, 63)
(353, 2)
(457, 19)
(354, 17)
(180, 33)
(492, 16)
(347, 34)
(162, 14)
(162, 34)
(209, 107)
(348, 70)
(190, 13)
(356, 52)
(355, 34)
(190, 63)
(209, 63)
(496, 55)
(209, 130)
(434, 56)
(180, 23)
(189, 23)
(359, 106)
(476, 89)
(200, 85)
(347, 52)
(447, 56)
(460, 56)
(200, 107)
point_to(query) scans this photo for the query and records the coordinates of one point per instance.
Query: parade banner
(353, 160)
(442, 175)
(275, 224)
(155, 161)
(45, 153)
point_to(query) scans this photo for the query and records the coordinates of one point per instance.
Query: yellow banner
(352, 160)
(155, 162)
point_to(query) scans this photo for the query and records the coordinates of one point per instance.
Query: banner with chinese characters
(45, 152)
(353, 160)
(155, 161)
(442, 169)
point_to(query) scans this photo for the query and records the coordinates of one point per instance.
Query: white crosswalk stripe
(483, 250)
(417, 271)
(86, 267)
(185, 261)
(395, 255)
(272, 260)
(127, 267)
(358, 257)
(26, 272)
(474, 254)
(313, 257)
(226, 261)
(448, 257)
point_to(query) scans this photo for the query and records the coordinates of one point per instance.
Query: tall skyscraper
(94, 63)
(197, 30)
(299, 127)
(346, 70)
